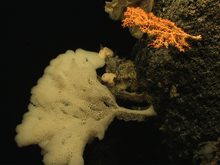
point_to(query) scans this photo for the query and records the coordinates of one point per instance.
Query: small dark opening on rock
(106, 104)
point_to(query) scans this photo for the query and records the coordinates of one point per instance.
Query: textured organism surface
(165, 30)
(207, 153)
(116, 8)
(69, 107)
(121, 80)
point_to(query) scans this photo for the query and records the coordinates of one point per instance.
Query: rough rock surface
(185, 87)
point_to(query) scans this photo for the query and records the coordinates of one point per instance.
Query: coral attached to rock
(185, 87)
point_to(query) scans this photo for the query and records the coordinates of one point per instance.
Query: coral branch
(165, 30)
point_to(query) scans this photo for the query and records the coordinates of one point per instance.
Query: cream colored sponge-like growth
(69, 107)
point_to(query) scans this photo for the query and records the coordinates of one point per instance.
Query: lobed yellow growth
(165, 30)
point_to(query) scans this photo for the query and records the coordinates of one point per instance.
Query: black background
(32, 33)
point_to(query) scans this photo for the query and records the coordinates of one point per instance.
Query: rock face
(69, 107)
(185, 87)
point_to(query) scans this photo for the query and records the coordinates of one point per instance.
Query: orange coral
(165, 30)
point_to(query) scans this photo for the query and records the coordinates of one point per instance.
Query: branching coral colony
(166, 31)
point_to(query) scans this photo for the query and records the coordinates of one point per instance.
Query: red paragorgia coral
(166, 31)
